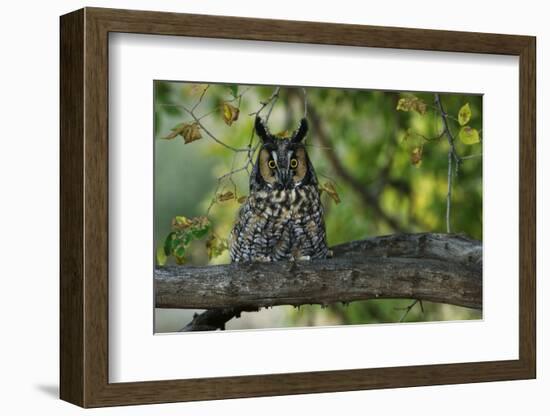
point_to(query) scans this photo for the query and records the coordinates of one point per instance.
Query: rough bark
(445, 268)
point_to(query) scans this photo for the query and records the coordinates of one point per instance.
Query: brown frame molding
(84, 207)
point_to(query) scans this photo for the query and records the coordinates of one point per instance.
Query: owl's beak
(285, 179)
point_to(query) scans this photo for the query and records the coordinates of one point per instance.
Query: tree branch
(452, 155)
(434, 267)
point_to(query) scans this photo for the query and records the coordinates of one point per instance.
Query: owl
(282, 218)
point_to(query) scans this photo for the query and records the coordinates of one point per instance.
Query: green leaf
(468, 135)
(180, 251)
(168, 243)
(161, 256)
(200, 233)
(464, 114)
(234, 90)
(171, 110)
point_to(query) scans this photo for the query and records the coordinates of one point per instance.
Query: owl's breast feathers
(280, 225)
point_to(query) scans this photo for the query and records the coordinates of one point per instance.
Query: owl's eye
(293, 163)
(271, 164)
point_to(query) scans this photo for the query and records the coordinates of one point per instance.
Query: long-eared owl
(282, 218)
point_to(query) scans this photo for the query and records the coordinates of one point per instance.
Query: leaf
(215, 246)
(168, 243)
(468, 135)
(200, 232)
(175, 131)
(329, 188)
(170, 136)
(282, 134)
(416, 156)
(464, 114)
(226, 196)
(230, 113)
(242, 199)
(191, 133)
(234, 90)
(180, 251)
(181, 223)
(161, 256)
(411, 104)
(178, 128)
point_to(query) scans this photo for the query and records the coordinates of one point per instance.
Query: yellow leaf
(329, 188)
(468, 135)
(226, 196)
(161, 256)
(230, 113)
(464, 114)
(180, 222)
(411, 104)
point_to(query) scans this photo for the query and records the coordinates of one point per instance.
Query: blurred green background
(387, 165)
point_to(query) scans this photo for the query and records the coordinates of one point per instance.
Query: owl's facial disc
(284, 166)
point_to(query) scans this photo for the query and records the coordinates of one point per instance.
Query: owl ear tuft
(301, 132)
(261, 130)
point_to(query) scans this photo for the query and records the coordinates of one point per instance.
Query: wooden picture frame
(84, 207)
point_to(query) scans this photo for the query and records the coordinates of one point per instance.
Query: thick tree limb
(434, 267)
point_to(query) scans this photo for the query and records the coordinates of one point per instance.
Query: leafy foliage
(412, 103)
(184, 231)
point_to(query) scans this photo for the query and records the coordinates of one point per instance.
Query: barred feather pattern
(285, 224)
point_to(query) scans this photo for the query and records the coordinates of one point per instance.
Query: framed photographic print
(256, 207)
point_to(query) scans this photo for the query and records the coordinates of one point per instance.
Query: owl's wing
(309, 229)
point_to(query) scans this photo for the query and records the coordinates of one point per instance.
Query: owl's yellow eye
(293, 163)
(271, 164)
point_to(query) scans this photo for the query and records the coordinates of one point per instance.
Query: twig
(265, 103)
(197, 120)
(199, 101)
(452, 155)
(273, 101)
(249, 149)
(407, 309)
